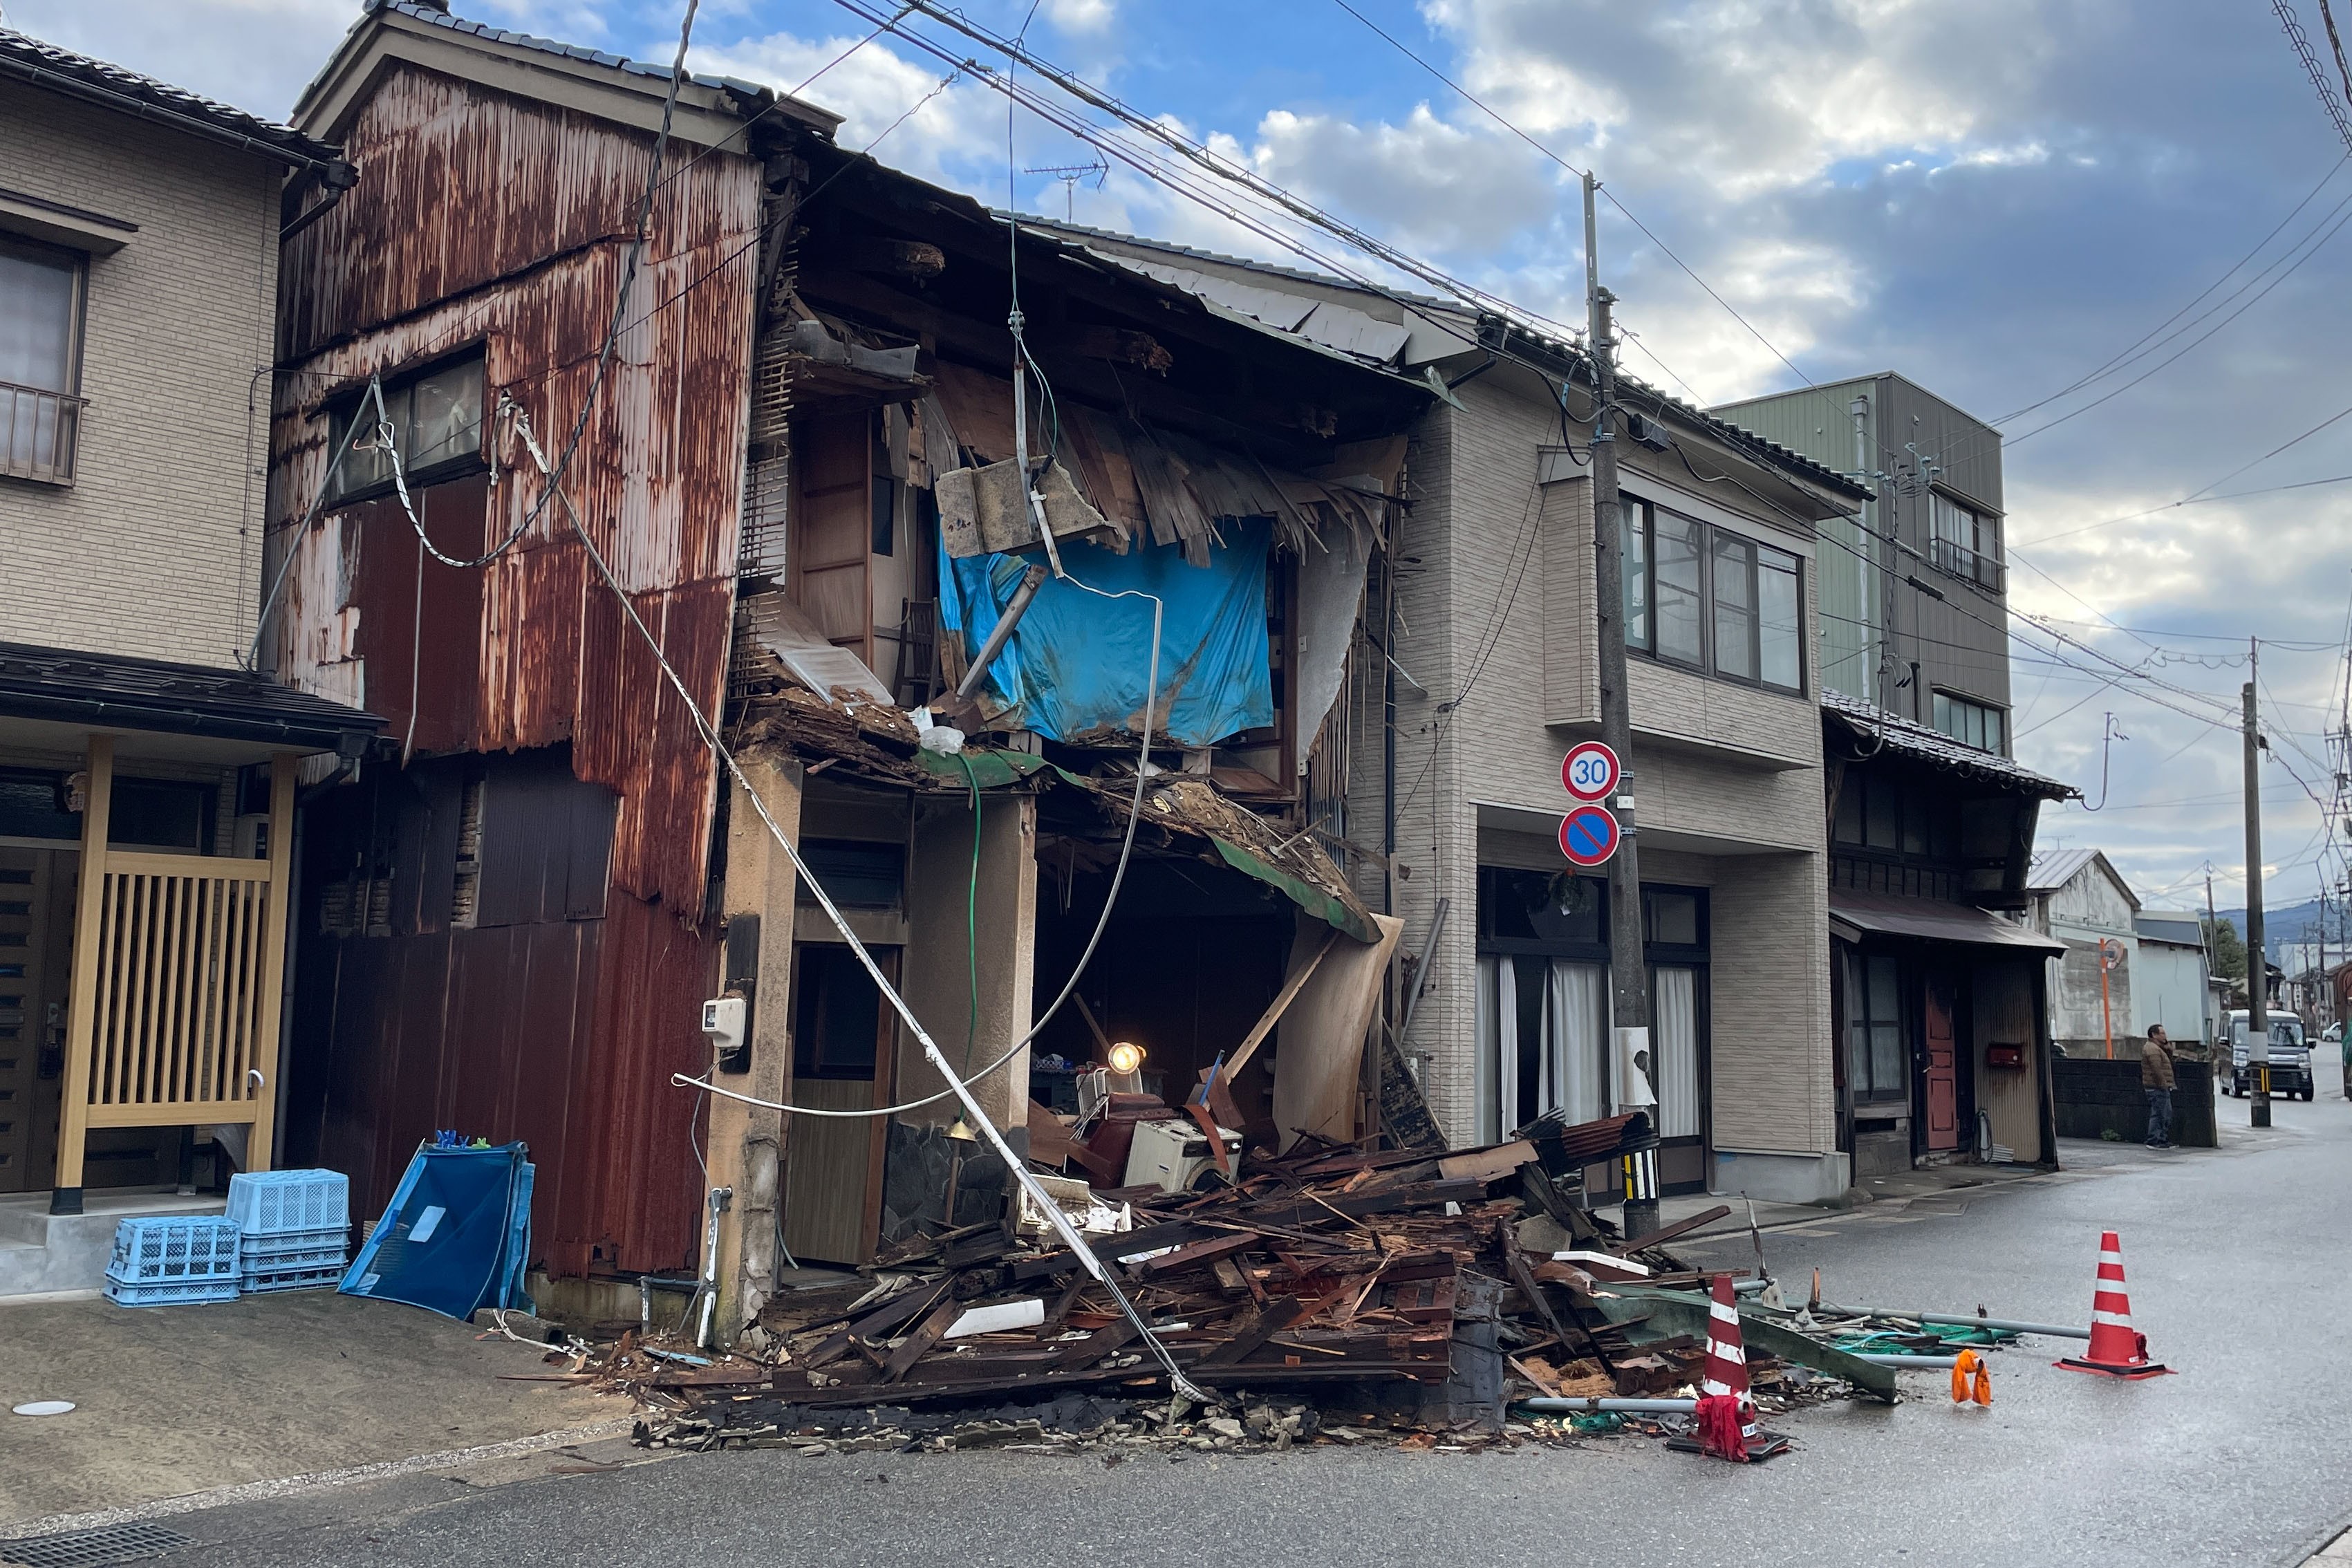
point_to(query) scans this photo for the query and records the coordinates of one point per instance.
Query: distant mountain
(2290, 923)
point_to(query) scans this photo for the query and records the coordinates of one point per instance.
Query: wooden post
(82, 996)
(747, 1143)
(260, 1147)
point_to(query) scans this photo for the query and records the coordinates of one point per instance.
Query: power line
(1492, 113)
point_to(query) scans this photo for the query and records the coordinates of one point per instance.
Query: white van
(2290, 1057)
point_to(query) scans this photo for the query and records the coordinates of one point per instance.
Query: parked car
(2290, 1057)
(2332, 1035)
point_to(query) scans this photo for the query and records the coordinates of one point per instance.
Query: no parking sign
(1589, 835)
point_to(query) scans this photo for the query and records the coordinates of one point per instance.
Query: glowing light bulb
(1126, 1057)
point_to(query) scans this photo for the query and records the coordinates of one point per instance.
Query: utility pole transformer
(2258, 983)
(1631, 1074)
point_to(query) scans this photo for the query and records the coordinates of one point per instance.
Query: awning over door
(1855, 915)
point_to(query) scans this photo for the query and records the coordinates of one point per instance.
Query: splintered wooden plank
(1258, 1328)
(1095, 1346)
(1197, 1253)
(919, 1343)
(888, 1316)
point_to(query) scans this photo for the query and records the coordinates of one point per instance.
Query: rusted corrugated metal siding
(483, 219)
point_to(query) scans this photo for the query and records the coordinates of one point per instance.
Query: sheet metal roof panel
(31, 58)
(1931, 920)
(174, 698)
(1868, 724)
(2056, 868)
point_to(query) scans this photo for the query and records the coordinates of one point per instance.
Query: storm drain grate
(92, 1548)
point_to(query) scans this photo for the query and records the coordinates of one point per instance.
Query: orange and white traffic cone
(1727, 1413)
(2116, 1349)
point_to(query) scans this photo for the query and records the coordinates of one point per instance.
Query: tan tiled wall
(148, 552)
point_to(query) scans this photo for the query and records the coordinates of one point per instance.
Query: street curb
(315, 1480)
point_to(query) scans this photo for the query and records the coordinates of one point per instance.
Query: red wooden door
(1943, 1082)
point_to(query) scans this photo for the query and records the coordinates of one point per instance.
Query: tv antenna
(1070, 174)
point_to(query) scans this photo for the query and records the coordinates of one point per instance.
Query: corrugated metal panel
(549, 1023)
(463, 185)
(489, 220)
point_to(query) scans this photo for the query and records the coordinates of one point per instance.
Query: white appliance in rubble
(1173, 1155)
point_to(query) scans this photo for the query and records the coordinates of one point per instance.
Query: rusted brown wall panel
(643, 1209)
(485, 219)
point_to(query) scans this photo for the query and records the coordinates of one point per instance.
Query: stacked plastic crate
(171, 1260)
(296, 1225)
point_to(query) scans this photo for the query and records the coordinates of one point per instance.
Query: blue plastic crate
(277, 1202)
(176, 1249)
(322, 1278)
(271, 1255)
(183, 1294)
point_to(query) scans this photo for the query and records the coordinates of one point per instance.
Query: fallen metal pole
(2006, 1325)
(1621, 1407)
(1898, 1359)
(1014, 608)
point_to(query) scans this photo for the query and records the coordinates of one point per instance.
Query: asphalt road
(2237, 1274)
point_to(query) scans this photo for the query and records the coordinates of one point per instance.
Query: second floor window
(40, 355)
(1977, 724)
(1712, 599)
(436, 428)
(1963, 542)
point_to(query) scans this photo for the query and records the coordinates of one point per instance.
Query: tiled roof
(1869, 724)
(1756, 446)
(177, 699)
(27, 58)
(434, 16)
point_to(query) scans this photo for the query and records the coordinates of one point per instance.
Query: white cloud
(1080, 16)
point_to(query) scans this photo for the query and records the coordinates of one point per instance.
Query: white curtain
(1576, 1041)
(1674, 1042)
(1490, 1053)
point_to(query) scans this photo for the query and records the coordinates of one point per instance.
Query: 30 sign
(1591, 770)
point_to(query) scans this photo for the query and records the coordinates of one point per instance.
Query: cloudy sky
(1999, 198)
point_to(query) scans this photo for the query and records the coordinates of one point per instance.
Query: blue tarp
(456, 1235)
(1076, 666)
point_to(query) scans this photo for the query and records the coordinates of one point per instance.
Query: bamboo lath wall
(183, 970)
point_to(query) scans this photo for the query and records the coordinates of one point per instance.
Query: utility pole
(2212, 945)
(1629, 976)
(2258, 1018)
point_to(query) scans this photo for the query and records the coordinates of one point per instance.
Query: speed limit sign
(1589, 771)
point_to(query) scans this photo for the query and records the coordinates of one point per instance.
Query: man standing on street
(2156, 1076)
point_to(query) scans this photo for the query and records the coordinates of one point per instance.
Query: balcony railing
(1969, 566)
(38, 433)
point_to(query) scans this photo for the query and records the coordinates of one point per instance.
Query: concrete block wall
(154, 550)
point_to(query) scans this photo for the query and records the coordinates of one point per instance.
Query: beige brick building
(146, 779)
(134, 487)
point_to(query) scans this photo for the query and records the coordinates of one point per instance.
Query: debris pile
(1333, 1294)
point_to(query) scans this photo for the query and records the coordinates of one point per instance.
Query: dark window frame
(1977, 558)
(344, 491)
(63, 442)
(1961, 706)
(1638, 549)
(1862, 1022)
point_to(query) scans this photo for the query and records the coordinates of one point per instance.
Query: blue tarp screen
(456, 1235)
(1076, 666)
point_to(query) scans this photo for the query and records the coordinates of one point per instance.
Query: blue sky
(1994, 198)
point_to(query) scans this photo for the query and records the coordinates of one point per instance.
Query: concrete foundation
(43, 1254)
(1787, 1178)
